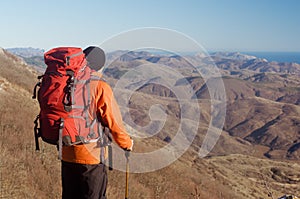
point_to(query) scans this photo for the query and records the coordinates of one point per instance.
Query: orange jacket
(105, 105)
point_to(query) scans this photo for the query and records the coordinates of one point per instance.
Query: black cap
(95, 57)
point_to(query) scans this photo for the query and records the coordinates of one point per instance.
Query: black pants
(82, 181)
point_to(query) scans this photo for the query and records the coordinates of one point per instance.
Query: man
(83, 174)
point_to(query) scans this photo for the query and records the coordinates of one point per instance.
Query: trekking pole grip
(127, 154)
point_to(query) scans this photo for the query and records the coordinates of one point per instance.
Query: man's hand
(127, 151)
(131, 147)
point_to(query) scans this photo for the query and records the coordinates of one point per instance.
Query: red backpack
(64, 99)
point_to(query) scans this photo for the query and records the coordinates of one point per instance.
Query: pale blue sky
(232, 25)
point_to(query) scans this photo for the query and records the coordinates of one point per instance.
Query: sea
(277, 56)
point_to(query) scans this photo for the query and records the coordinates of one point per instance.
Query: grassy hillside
(24, 172)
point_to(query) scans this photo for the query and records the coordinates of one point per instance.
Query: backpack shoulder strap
(96, 77)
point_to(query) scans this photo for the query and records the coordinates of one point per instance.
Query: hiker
(83, 174)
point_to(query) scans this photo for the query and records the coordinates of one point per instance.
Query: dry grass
(24, 172)
(250, 177)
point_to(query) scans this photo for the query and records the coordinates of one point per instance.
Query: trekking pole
(110, 156)
(127, 173)
(109, 146)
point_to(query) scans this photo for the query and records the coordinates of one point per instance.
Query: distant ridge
(238, 63)
(26, 52)
(292, 57)
(31, 56)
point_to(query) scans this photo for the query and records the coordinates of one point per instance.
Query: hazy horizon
(210, 51)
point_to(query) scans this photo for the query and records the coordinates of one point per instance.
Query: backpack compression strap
(60, 138)
(68, 99)
(37, 133)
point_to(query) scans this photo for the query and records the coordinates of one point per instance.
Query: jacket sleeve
(111, 117)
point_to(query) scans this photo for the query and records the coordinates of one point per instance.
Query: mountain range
(257, 153)
(262, 97)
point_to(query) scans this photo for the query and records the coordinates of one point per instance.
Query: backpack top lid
(62, 59)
